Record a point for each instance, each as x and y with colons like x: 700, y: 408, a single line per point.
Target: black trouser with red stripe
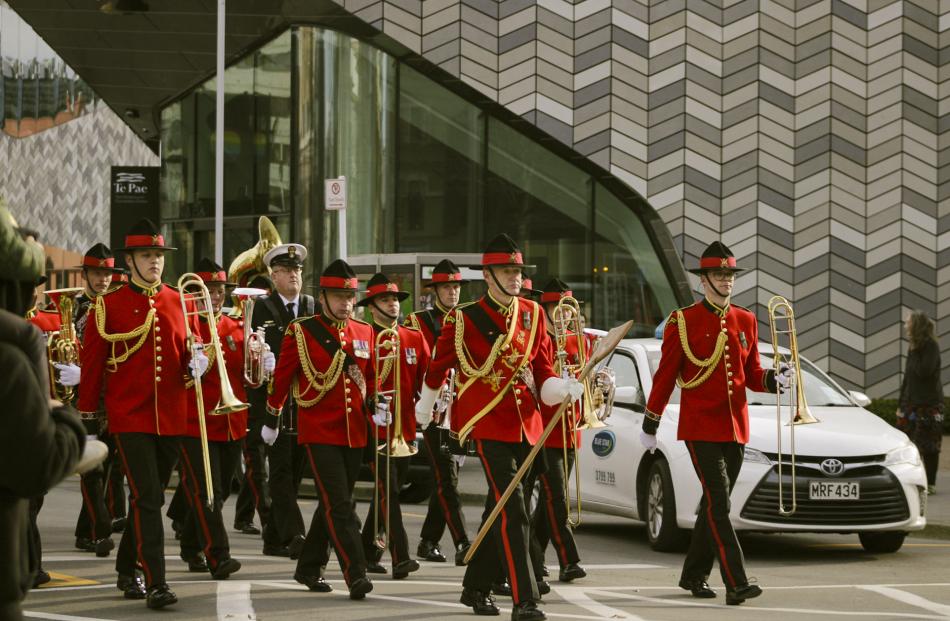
x: 94, y: 521
x: 397, y: 538
x: 254, y: 494
x: 507, y: 544
x: 334, y: 470
x: 204, y: 526
x: 286, y: 460
x: 550, y: 518
x: 445, y: 505
x: 717, y: 465
x: 148, y: 460
x: 114, y: 481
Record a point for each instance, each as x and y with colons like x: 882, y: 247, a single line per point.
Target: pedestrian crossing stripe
x: 63, y: 580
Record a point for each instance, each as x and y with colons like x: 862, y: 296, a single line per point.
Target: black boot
x: 360, y: 587
x: 197, y: 563
x: 543, y: 587
x: 460, y: 551
x: 742, y: 593
x: 104, y: 546
x: 404, y: 568
x: 246, y: 528
x: 295, y: 547
x: 480, y: 601
x: 429, y: 551
x: 501, y: 588
x: 698, y: 587
x: 160, y: 596
x: 85, y: 544
x: 315, y: 583
x: 225, y: 568
x: 527, y: 611
x: 571, y: 571
x: 132, y: 587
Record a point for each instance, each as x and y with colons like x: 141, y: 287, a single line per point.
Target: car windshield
x: 820, y: 390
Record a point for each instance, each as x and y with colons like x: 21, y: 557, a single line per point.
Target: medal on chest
x: 411, y: 355
x: 360, y: 348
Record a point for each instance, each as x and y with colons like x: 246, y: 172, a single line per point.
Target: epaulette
x: 298, y: 320
x: 413, y: 328
x: 112, y: 290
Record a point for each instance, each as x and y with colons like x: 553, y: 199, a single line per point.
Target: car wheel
x: 662, y: 532
x: 882, y: 542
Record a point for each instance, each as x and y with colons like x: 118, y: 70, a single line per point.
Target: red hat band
x: 555, y: 296
x: 502, y: 258
x: 337, y: 282
x: 389, y: 287
x: 712, y: 263
x: 144, y: 241
x: 213, y: 276
x: 94, y: 262
x: 440, y: 277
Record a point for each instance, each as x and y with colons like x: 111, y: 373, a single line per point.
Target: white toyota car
x: 854, y: 472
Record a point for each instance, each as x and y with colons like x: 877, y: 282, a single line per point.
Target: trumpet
x: 780, y: 310
x: 62, y: 347
x: 254, y: 344
x: 196, y: 302
x: 388, y: 353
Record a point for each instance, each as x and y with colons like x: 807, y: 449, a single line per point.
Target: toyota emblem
x: 832, y: 467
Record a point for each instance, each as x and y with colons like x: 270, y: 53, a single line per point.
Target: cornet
x: 62, y: 347
x: 254, y: 344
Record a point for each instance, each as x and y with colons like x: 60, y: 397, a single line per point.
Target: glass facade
x: 428, y: 171
x: 37, y: 89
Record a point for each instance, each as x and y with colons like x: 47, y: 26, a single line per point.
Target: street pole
x: 219, y: 143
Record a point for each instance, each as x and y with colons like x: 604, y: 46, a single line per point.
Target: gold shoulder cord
x: 314, y: 377
x: 706, y: 366
x: 460, y: 350
x: 141, y: 333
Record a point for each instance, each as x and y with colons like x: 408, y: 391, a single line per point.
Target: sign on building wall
x: 134, y: 191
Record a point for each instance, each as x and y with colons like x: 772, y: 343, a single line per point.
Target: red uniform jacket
x: 413, y: 362
x: 341, y: 414
x: 504, y: 402
x: 143, y: 375
x: 715, y: 410
x: 556, y: 439
x: 233, y: 426
x: 429, y: 322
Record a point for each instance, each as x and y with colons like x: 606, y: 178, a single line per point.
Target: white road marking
x: 909, y: 598
x: 55, y: 617
x: 579, y: 597
x: 234, y: 601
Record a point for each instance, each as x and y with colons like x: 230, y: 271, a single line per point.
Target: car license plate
x: 834, y: 490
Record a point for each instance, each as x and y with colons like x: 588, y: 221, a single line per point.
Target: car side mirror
x: 859, y: 398
x: 630, y: 396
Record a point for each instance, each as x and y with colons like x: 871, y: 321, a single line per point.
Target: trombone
x: 782, y: 322
x: 196, y: 302
x: 254, y: 344
x: 566, y: 320
x: 62, y: 347
x: 387, y: 363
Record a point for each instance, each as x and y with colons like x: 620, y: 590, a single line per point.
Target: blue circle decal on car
x: 603, y: 443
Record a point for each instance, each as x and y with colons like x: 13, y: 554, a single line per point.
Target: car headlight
x: 756, y: 457
x: 907, y: 454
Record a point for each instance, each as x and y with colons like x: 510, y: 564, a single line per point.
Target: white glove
x: 555, y: 390
x: 382, y: 418
x: 425, y: 404
x: 459, y: 459
x: 199, y: 362
x: 268, y: 435
x: 68, y: 374
x: 648, y: 441
x: 269, y: 361
x: 91, y: 438
x: 783, y: 377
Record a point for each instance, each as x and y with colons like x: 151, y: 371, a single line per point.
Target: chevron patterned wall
x: 810, y: 136
x: 57, y: 181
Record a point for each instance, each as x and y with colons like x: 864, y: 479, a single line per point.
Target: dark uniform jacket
x: 271, y: 313
x: 715, y: 409
x: 221, y: 428
x: 140, y: 358
x: 501, y: 404
x: 332, y: 409
x: 413, y: 362
x: 42, y: 446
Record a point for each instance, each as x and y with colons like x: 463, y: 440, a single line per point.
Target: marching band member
x: 498, y: 345
x: 710, y: 350
x: 445, y: 505
x: 326, y: 364
x: 382, y: 298
x: 551, y: 518
x: 94, y: 524
x: 225, y: 433
x: 137, y: 352
x: 284, y: 531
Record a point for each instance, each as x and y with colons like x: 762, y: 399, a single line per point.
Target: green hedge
x: 885, y: 408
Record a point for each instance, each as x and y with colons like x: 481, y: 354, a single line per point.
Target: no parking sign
x: 335, y: 194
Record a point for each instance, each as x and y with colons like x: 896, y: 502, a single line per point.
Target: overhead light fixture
x: 121, y: 7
